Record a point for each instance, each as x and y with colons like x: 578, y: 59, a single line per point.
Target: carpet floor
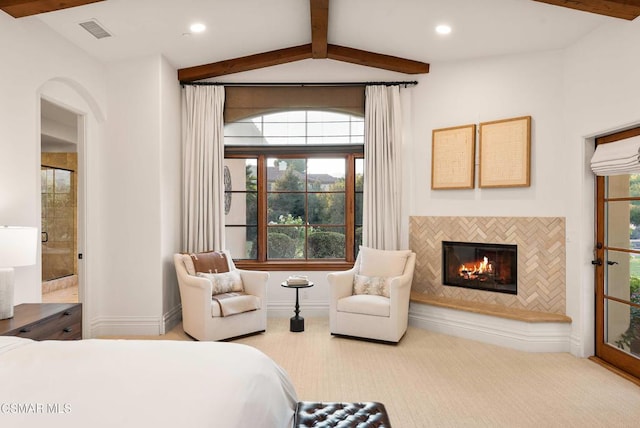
x: 434, y: 380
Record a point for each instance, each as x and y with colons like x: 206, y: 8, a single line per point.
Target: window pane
x: 286, y: 116
x: 326, y: 174
x: 328, y: 129
x: 285, y: 242
x: 622, y: 224
x: 285, y: 208
x: 286, y: 174
x: 323, y: 116
x: 623, y: 274
x: 359, y: 174
x: 357, y: 128
x: 242, y: 242
x: 623, y: 186
x: 326, y: 208
x: 243, y: 209
x: 243, y: 174
x: 622, y: 328
x: 359, y: 208
x: 247, y: 141
x: 326, y: 243
x: 284, y: 129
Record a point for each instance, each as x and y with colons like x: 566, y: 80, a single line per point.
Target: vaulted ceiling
x: 396, y: 35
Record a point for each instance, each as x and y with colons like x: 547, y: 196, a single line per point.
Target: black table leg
x: 296, y: 324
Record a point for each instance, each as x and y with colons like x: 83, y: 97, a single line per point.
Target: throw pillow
x: 376, y: 285
x: 226, y: 282
x: 382, y: 262
x: 210, y: 262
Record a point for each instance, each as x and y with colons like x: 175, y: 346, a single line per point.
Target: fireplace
x: 491, y: 267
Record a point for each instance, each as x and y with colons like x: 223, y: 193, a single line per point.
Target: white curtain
x: 382, y: 175
x: 203, y: 163
x: 617, y: 158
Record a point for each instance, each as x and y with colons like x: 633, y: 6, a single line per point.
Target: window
x: 293, y: 189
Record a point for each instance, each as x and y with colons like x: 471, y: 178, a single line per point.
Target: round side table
x: 296, y: 324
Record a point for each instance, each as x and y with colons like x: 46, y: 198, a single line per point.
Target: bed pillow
x: 375, y: 285
x: 226, y: 282
x: 382, y: 262
x: 210, y: 262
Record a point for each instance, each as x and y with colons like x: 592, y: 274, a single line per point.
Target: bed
x: 136, y: 383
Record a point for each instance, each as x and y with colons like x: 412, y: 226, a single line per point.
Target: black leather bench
x: 341, y: 415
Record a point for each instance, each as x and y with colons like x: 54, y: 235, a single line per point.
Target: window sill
x: 289, y: 265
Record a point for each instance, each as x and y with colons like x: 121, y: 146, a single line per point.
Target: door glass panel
x: 58, y: 223
x: 623, y: 186
x: 622, y: 327
x: 623, y: 224
x: 622, y: 272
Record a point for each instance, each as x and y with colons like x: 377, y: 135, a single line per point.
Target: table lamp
x: 17, y: 248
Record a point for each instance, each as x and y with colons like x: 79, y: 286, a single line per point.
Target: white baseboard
x: 520, y: 335
x: 308, y: 309
x: 171, y: 318
x: 126, y: 326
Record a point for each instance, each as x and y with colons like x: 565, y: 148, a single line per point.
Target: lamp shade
x: 18, y: 246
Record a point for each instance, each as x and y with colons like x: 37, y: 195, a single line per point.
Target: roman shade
x: 617, y: 158
x: 248, y: 101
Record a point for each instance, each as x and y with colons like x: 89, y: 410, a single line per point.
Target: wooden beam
x: 319, y: 27
x: 245, y: 63
x: 21, y: 8
x: 372, y: 59
x: 623, y: 9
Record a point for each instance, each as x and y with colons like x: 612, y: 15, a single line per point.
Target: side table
x: 296, y: 324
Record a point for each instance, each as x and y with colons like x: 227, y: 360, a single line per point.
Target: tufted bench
x: 341, y: 415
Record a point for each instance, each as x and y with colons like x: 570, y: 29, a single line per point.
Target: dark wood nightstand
x: 45, y: 321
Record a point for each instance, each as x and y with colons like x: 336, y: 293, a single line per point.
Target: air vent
x: 95, y: 28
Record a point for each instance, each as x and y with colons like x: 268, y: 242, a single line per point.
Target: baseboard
x: 126, y: 326
x: 308, y: 309
x: 523, y: 336
x: 171, y: 318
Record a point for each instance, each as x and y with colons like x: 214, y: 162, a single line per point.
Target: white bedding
x: 131, y: 383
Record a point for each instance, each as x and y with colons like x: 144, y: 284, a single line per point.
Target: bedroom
x: 584, y: 88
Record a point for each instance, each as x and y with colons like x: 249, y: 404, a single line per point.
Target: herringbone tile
x: 541, y: 257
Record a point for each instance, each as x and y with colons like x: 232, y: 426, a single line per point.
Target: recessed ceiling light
x: 197, y: 28
x: 443, y: 29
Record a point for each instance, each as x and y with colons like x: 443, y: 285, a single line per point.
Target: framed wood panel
x: 505, y: 153
x: 452, y: 157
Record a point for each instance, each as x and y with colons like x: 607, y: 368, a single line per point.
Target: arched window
x: 293, y: 195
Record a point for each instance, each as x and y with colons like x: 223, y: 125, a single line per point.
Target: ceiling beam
x: 624, y: 9
x: 245, y: 63
x: 319, y: 27
x: 371, y: 59
x: 22, y: 8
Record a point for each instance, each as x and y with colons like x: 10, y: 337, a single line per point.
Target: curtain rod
x: 302, y: 84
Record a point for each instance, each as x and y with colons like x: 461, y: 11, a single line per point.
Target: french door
x: 617, y: 265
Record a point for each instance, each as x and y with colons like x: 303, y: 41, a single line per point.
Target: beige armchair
x: 371, y: 300
x: 208, y: 315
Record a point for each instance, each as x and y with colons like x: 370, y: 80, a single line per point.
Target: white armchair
x: 203, y: 317
x: 371, y: 300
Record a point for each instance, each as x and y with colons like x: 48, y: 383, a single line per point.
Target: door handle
x: 610, y: 263
x: 44, y: 237
x: 597, y: 262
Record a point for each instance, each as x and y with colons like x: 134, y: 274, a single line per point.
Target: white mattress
x: 130, y: 383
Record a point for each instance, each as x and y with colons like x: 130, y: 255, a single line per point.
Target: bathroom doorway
x: 59, y: 203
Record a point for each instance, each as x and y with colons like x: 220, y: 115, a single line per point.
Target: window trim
x: 259, y: 153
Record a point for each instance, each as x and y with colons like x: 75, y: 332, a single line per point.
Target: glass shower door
x: 58, y: 223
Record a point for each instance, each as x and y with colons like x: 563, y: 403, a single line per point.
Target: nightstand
x: 45, y: 321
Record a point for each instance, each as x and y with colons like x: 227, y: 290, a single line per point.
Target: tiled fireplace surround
x: 541, y: 281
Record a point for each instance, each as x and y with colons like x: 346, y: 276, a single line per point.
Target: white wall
x: 141, y: 199
x: 170, y: 182
x: 36, y: 61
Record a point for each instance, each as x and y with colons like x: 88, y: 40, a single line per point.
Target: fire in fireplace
x: 492, y: 267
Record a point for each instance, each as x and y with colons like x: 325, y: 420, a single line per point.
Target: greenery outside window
x: 294, y: 190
